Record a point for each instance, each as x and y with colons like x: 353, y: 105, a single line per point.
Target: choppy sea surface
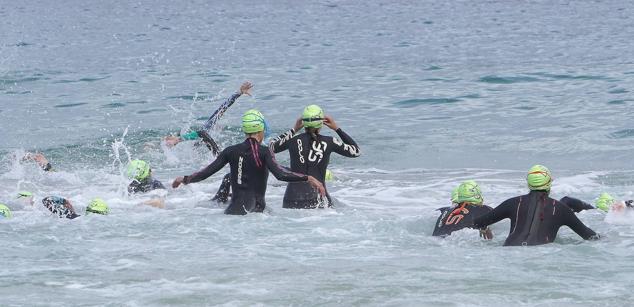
x: 434, y: 92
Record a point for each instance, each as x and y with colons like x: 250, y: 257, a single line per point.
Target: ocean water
x: 434, y: 92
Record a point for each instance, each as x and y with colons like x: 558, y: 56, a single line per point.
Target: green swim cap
x: 454, y: 195
x: 191, y: 135
x: 138, y: 169
x: 98, y: 206
x: 5, y: 211
x: 329, y: 175
x: 539, y: 178
x: 253, y: 121
x: 604, y: 202
x: 469, y: 192
x: 313, y: 116
x: 24, y: 194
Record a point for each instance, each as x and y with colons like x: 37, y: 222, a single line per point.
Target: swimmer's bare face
x: 171, y: 141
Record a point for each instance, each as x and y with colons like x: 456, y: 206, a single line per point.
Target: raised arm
x: 280, y: 143
x: 345, y: 146
x: 245, y: 88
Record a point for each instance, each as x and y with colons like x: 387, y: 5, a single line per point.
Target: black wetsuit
x: 250, y: 163
x: 60, y: 207
x: 143, y: 186
x: 458, y: 217
x: 535, y: 219
x: 575, y: 204
x: 311, y: 157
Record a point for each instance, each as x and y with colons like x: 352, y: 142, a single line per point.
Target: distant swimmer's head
x: 604, y: 202
x: 329, y: 175
x: 468, y: 192
x: 139, y: 170
x: 98, y: 206
x: 539, y: 178
x: 59, y: 206
x: 26, y: 198
x: 253, y: 122
x: 454, y: 195
x: 5, y: 212
x: 313, y: 116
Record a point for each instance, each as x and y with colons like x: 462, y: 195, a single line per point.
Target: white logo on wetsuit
x: 240, y: 170
x: 317, y: 152
x: 299, y: 150
x: 353, y: 150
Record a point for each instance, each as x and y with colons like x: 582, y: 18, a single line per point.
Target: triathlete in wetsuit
x: 535, y: 217
x: 310, y: 154
x: 60, y: 206
x: 142, y: 182
x: 250, y: 163
x: 467, y: 199
x: 606, y: 203
x: 203, y: 133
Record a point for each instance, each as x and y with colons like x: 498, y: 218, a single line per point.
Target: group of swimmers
x: 535, y: 217
x: 250, y: 163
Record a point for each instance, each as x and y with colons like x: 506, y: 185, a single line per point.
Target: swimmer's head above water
x: 5, y: 212
x: 468, y: 192
x: 98, y: 206
x: 539, y: 178
x: 139, y: 170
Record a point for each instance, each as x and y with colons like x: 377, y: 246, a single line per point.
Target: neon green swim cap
x: 253, y: 121
x: 539, y: 178
x: 604, y: 202
x: 329, y: 175
x: 138, y: 169
x: 24, y: 194
x: 313, y: 116
x: 5, y: 211
x: 469, y: 192
x: 98, y: 206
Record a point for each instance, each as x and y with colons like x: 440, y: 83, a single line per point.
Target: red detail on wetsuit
x: 255, y: 152
x: 457, y: 215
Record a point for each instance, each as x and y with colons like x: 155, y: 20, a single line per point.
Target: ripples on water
x: 435, y: 93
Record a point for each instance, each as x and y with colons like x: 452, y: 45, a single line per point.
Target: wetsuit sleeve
x: 499, y: 213
x: 280, y: 143
x: 211, y: 122
x: 346, y: 146
x: 157, y: 184
x: 576, y: 205
x: 209, y: 141
x: 572, y: 221
x: 211, y: 169
x: 279, y: 172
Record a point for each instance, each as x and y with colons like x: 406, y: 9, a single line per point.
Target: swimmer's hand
x: 245, y: 88
x: 177, y: 182
x: 330, y: 122
x: 299, y: 124
x: 317, y: 185
x: 486, y: 233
